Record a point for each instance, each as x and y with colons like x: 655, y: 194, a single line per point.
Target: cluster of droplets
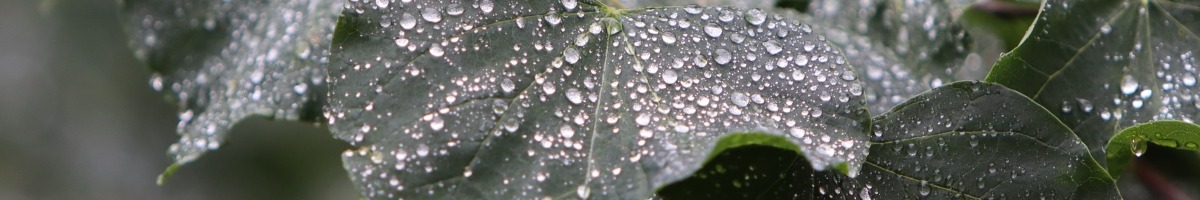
x: 259, y: 58
x: 948, y: 144
x: 902, y: 48
x: 575, y: 100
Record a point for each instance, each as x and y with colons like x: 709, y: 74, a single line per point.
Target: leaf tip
x: 162, y: 178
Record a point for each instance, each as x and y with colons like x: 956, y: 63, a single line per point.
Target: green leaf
x: 979, y: 140
x: 965, y: 140
x: 901, y: 48
x: 524, y: 99
x: 1105, y: 65
x: 222, y: 61
x: 1133, y: 141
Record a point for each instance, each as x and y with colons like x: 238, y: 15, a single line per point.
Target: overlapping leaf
x: 1102, y: 65
x: 524, y: 99
x: 965, y: 140
x: 221, y: 61
x: 1132, y: 141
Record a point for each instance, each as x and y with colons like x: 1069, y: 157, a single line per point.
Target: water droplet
x: 1128, y: 85
x: 431, y: 15
x: 548, y: 87
x: 401, y: 42
x: 668, y: 37
x: 583, y: 191
x: 740, y: 99
x: 566, y: 131
x: 1085, y: 105
x: 643, y: 119
x: 1106, y: 28
x: 756, y: 16
x: 1189, y: 79
x: 798, y: 75
x: 924, y: 188
x: 156, y: 82
x: 382, y: 3
x: 507, y: 85
x: 798, y: 133
x: 772, y: 47
x: 723, y: 56
x: 693, y: 9
x: 571, y: 55
x: 486, y: 6
x: 408, y: 21
x: 422, y: 150
x: 1138, y: 146
x: 436, y: 123
x: 669, y: 76
x: 454, y: 9
x: 569, y: 4
x: 574, y: 96
x: 553, y: 18
x: 712, y: 30
x: 436, y: 50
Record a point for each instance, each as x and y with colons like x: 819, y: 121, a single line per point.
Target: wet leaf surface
x: 1105, y: 65
x: 222, y: 61
x: 521, y: 99
x: 965, y: 140
x: 900, y: 48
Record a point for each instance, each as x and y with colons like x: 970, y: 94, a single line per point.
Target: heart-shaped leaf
x: 528, y: 99
x: 965, y: 140
x: 1102, y: 65
x: 222, y: 61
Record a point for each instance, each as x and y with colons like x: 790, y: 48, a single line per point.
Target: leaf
x: 1105, y: 65
x: 1132, y: 141
x: 222, y: 61
x: 901, y: 48
x: 965, y: 140
x: 979, y: 140
x: 523, y: 99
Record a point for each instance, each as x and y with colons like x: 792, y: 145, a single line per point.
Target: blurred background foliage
x: 78, y: 120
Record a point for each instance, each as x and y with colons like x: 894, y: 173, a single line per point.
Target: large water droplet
x: 756, y: 16
x: 507, y: 85
x: 570, y: 4
x: 408, y: 21
x: 566, y: 131
x: 772, y: 47
x: 571, y: 55
x: 669, y: 76
x: 668, y: 37
x: 723, y: 56
x: 486, y: 6
x: 574, y: 96
x: 431, y: 15
x: 740, y: 99
x: 1138, y: 146
x: 924, y: 188
x: 436, y: 123
x: 382, y: 3
x: 1128, y: 85
x: 454, y: 9
x: 712, y: 30
x: 643, y: 119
